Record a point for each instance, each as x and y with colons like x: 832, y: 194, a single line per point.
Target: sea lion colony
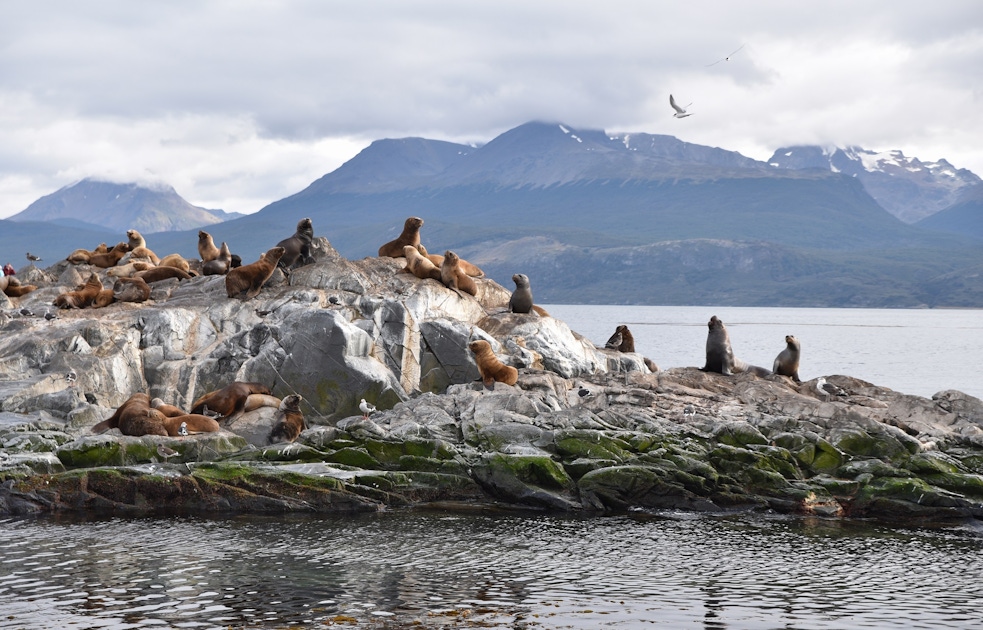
x: 134, y: 267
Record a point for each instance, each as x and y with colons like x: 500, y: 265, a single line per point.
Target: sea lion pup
x: 297, y: 248
x: 409, y: 236
x: 130, y: 268
x: 452, y: 276
x: 218, y: 266
x: 289, y: 420
x: 175, y: 260
x: 206, y: 247
x: 521, y: 300
x: 110, y: 258
x: 193, y: 423
x: 622, y: 340
x: 249, y: 279
x: 82, y: 296
x: 419, y: 265
x: 468, y: 268
x: 787, y: 361
x: 131, y: 290
x: 156, y: 274
x: 490, y: 367
x: 720, y: 355
x: 168, y: 410
x: 229, y: 399
x: 136, y: 239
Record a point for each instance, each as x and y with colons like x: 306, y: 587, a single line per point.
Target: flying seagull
x: 727, y: 58
x: 31, y: 257
x: 366, y: 408
x: 680, y: 112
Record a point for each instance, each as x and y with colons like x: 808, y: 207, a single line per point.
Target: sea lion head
x: 521, y: 280
x: 274, y: 254
x: 450, y: 257
x: 203, y: 236
x: 413, y: 223
x: 715, y: 323
x: 792, y: 341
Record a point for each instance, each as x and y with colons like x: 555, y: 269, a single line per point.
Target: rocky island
x: 584, y: 429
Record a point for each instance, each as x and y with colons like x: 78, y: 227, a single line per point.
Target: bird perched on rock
x: 31, y: 257
x: 26, y: 312
x: 622, y: 340
x: 828, y: 389
x: 366, y: 408
x: 584, y: 393
x: 48, y: 315
x: 334, y: 300
x: 71, y: 377
x: 165, y: 452
x: 183, y: 429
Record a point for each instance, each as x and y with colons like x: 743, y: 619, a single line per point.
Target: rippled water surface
x: 447, y: 569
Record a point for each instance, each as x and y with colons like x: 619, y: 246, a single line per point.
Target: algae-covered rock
x: 535, y: 481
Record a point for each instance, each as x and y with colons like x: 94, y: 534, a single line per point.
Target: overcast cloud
x: 239, y: 103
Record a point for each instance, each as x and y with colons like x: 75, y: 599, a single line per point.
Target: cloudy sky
x: 238, y: 103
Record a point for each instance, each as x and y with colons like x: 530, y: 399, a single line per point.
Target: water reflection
x: 473, y: 570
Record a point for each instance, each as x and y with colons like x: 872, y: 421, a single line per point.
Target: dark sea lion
x: 489, y: 365
x: 229, y: 399
x: 419, y: 265
x: 218, y: 266
x: 156, y: 274
x: 409, y: 236
x: 622, y: 340
x: 720, y: 355
x: 249, y: 279
x: 206, y: 247
x: 521, y: 300
x: 289, y: 421
x: 455, y: 279
x: 297, y: 248
x: 787, y: 361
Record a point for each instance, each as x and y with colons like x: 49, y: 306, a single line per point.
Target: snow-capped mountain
x: 907, y: 187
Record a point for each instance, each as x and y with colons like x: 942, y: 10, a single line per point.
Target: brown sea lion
x: 134, y: 417
x: 419, y: 265
x: 156, y: 274
x: 455, y: 279
x: 206, y: 247
x: 787, y: 361
x: 175, y: 260
x: 622, y: 340
x: 490, y: 367
x: 130, y: 268
x: 80, y: 256
x: 468, y: 268
x: 135, y: 239
x: 289, y: 420
x: 409, y: 236
x: 249, y: 279
x: 720, y: 354
x: 297, y: 248
x: 82, y: 296
x: 12, y: 287
x: 110, y: 258
x: 144, y: 253
x: 521, y: 300
x: 131, y: 290
x: 218, y: 266
x: 168, y: 410
x: 193, y: 423
x: 229, y: 399
x: 103, y: 299
x: 255, y: 401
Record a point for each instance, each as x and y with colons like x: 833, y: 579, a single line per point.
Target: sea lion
x: 490, y: 367
x: 409, y: 236
x: 82, y: 296
x: 110, y: 258
x: 218, y: 266
x: 622, y: 340
x: 168, y: 410
x: 720, y: 354
x: 12, y: 287
x: 134, y: 417
x: 131, y: 290
x: 297, y: 248
x: 289, y: 420
x: 194, y: 423
x: 81, y: 256
x: 255, y: 401
x: 156, y: 274
x: 468, y: 268
x: 521, y: 300
x: 175, y: 260
x: 206, y: 247
x: 130, y: 268
x: 144, y: 253
x: 249, y: 279
x: 452, y: 276
x: 229, y: 399
x: 135, y: 239
x: 419, y: 265
x: 104, y: 298
x: 787, y: 361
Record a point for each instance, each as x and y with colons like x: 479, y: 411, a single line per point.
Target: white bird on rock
x: 183, y: 429
x: 680, y: 111
x: 366, y: 408
x: 828, y: 389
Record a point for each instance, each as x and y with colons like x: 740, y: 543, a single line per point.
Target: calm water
x: 398, y: 569
x: 911, y: 351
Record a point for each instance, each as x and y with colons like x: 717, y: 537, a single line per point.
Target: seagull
x: 727, y: 58
x: 31, y: 257
x: 366, y: 408
x: 183, y: 430
x: 828, y: 389
x: 165, y: 452
x: 614, y: 342
x: 584, y: 393
x: 680, y: 112
x: 48, y: 315
x: 689, y: 410
x: 71, y: 377
x: 334, y: 300
x: 26, y: 312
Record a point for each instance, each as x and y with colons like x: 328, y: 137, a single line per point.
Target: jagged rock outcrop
x: 584, y: 429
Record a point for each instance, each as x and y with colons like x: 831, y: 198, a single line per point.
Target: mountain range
x: 592, y: 217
